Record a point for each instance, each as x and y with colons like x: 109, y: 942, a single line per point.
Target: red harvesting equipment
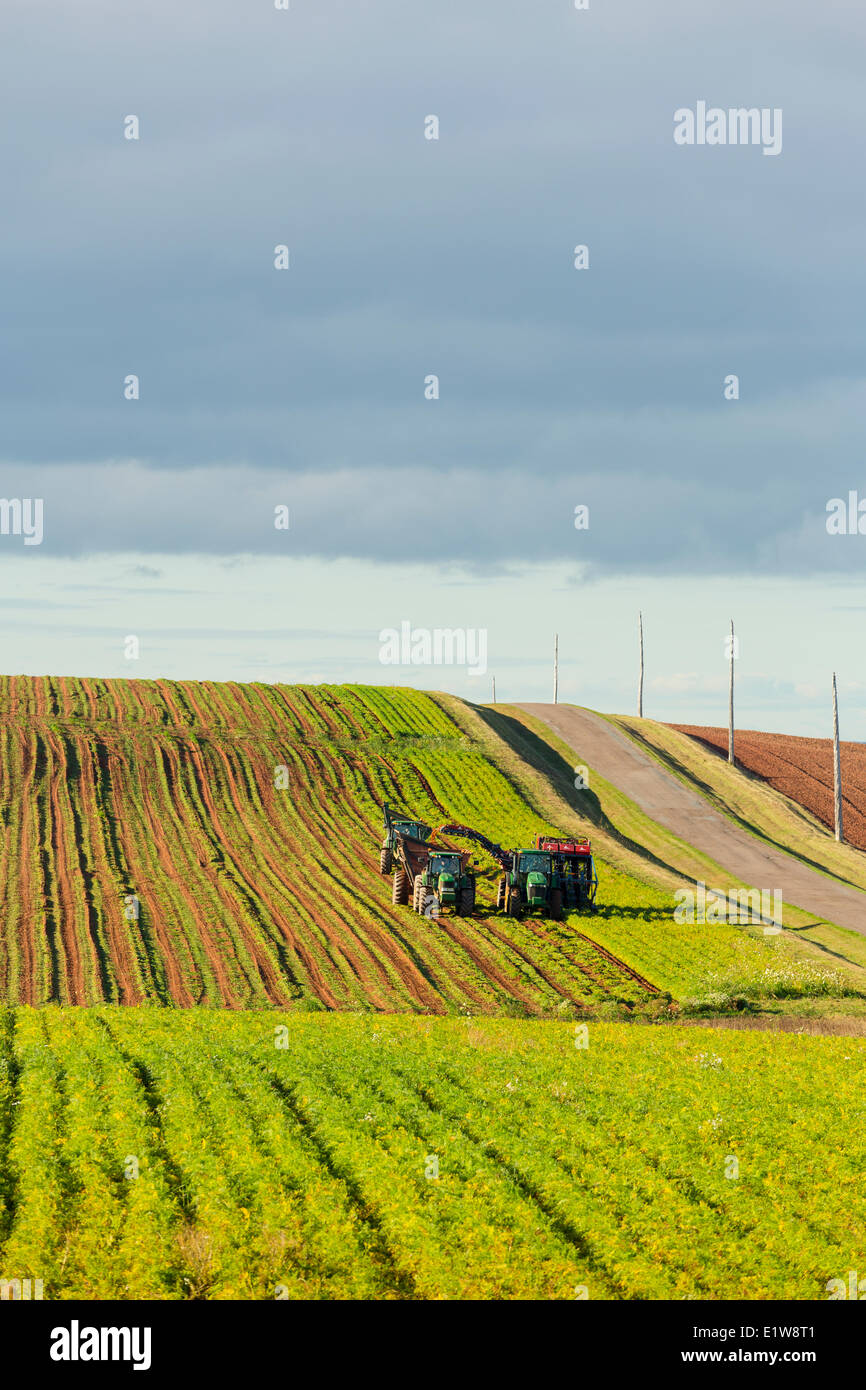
x: 574, y: 863
x: 554, y: 846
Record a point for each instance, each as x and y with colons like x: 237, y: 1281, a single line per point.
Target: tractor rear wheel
x: 400, y: 888
x: 386, y: 860
x: 556, y: 905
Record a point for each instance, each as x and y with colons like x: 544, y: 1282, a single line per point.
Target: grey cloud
x: 412, y: 257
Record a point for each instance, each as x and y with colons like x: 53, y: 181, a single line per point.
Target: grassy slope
x: 410, y: 1158
x: 760, y: 810
x: 630, y: 838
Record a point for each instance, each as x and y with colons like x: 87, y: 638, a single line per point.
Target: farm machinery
x: 554, y: 875
x: 446, y: 879
x: 574, y: 868
x: 397, y: 824
x: 423, y: 872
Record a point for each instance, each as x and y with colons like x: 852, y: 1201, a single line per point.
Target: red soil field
x: 801, y: 768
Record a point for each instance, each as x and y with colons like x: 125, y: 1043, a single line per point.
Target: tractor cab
x: 413, y: 829
x: 398, y: 825
x: 530, y: 885
x: 535, y: 870
x: 444, y: 873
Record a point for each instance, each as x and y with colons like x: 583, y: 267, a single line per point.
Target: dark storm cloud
x: 452, y: 257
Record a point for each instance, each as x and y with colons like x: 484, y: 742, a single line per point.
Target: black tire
x: 556, y: 905
x: 400, y: 888
x: 501, y: 888
x: 386, y: 860
x: 513, y: 902
x: 466, y: 902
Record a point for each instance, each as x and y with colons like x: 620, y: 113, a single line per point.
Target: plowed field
x: 186, y: 843
x: 801, y: 768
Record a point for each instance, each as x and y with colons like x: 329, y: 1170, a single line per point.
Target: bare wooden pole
x: 731, y: 701
x: 837, y: 766
x: 640, y: 676
x: 556, y: 669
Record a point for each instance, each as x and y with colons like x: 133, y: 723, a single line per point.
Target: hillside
x: 191, y: 843
x: 801, y: 769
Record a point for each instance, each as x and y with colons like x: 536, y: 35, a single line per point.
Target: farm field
x: 149, y: 1153
x: 800, y: 768
x: 187, y: 843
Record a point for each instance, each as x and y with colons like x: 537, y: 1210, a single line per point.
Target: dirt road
x: 614, y: 757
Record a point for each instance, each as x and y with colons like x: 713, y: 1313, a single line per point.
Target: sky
x: 304, y: 393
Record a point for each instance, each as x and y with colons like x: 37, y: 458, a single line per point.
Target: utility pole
x: 640, y: 677
x: 494, y: 690
x: 556, y: 669
x: 837, y: 769
x: 731, y: 701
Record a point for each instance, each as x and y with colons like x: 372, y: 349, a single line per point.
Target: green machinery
x: 446, y: 880
x: 396, y: 824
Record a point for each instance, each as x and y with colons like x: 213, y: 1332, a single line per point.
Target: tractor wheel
x: 419, y: 896
x: 556, y: 905
x: 466, y: 902
x: 513, y: 902
x: 400, y: 888
x: 386, y: 861
x: 500, y: 894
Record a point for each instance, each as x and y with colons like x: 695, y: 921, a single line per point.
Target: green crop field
x: 191, y: 843
x: 255, y: 1099
x: 148, y: 1153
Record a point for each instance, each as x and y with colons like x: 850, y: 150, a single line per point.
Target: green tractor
x: 397, y: 824
x: 532, y: 884
x: 445, y: 881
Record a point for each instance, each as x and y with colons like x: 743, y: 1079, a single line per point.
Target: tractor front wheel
x: 386, y: 861
x: 513, y: 902
x: 501, y: 889
x: 556, y: 905
x: 466, y: 902
x: 400, y: 888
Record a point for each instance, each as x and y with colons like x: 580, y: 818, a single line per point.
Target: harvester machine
x: 531, y: 885
x: 397, y: 823
x: 424, y: 874
x: 574, y: 869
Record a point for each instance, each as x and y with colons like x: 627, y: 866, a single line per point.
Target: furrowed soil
x: 192, y: 843
x: 186, y: 843
x: 800, y: 768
